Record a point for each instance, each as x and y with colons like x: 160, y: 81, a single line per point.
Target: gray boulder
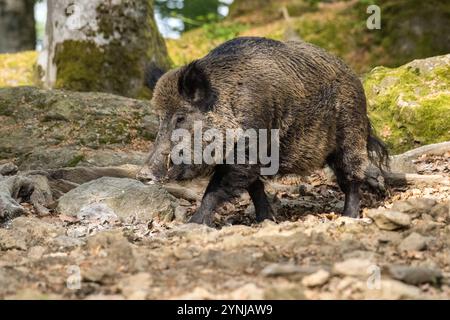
x: 128, y: 199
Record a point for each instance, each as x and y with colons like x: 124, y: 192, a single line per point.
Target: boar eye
x: 179, y: 119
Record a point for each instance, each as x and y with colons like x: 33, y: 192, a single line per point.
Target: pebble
x: 388, y: 219
x: 413, y: 242
x: 181, y: 214
x: 414, y: 207
x: 415, y: 275
x: 316, y: 279
x: 353, y: 267
x: 277, y: 269
x: 394, y: 290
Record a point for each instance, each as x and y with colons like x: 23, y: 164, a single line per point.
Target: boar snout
x: 146, y: 175
x: 155, y: 169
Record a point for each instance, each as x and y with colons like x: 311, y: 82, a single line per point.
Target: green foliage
x: 222, y: 31
x: 193, y: 13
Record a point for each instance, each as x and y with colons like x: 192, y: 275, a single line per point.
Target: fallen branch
x: 402, y: 179
x: 404, y: 162
x: 182, y: 192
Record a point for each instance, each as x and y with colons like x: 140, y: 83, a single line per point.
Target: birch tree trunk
x: 98, y: 45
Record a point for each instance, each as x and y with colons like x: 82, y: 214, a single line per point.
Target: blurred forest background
x: 88, y: 45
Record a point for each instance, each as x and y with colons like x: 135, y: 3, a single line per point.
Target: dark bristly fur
x: 312, y: 97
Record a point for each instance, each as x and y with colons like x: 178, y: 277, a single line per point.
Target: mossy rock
x: 60, y: 127
x: 410, y: 105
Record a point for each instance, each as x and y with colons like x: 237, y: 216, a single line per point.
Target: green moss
x: 410, y: 105
x: 75, y: 161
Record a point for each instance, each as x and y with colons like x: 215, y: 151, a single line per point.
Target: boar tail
x: 377, y: 150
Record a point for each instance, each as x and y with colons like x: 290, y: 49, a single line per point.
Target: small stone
x: 181, y: 214
x: 316, y: 279
x: 390, y: 237
x: 394, y: 290
x: 414, y: 207
x: 441, y: 210
x: 67, y: 242
x: 36, y: 252
x: 413, y: 242
x: 136, y: 287
x: 8, y: 169
x: 415, y: 275
x: 276, y: 269
x: 388, y: 219
x: 10, y: 241
x: 353, y: 267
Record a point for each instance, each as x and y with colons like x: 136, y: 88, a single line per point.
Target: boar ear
x: 152, y: 75
x: 195, y: 87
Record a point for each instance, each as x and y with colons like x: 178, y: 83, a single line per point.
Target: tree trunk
x: 97, y: 45
x: 17, y: 26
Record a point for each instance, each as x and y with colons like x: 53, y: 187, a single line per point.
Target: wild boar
x: 314, y: 101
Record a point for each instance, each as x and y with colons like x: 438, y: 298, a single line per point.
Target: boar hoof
x: 351, y: 214
x: 262, y: 218
x: 200, y: 218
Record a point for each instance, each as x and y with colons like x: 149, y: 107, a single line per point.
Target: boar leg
x: 226, y: 183
x: 262, y: 206
x: 214, y: 196
x: 349, y: 184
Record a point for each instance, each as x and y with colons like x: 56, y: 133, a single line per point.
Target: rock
x: 249, y: 291
x: 32, y: 294
x: 277, y: 269
x: 353, y: 267
x: 64, y: 242
x: 8, y: 169
x: 316, y: 279
x: 9, y: 241
x: 413, y: 242
x: 415, y: 275
x: 114, y: 253
x: 127, y: 198
x: 9, y: 207
x: 390, y: 237
x: 9, y: 280
x: 394, y: 290
x: 54, y: 129
x: 411, y: 103
x: 388, y: 219
x: 441, y: 210
x: 26, y: 232
x: 414, y: 207
x: 181, y: 214
x: 70, y: 156
x: 36, y: 252
x: 105, y: 297
x: 136, y: 287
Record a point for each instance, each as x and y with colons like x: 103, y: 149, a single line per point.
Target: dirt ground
x: 310, y: 253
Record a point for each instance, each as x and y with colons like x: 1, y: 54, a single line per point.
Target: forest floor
x: 310, y: 253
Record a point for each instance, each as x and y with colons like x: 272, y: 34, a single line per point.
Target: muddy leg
x: 349, y: 184
x: 213, y: 197
x: 262, y: 206
x: 226, y: 183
